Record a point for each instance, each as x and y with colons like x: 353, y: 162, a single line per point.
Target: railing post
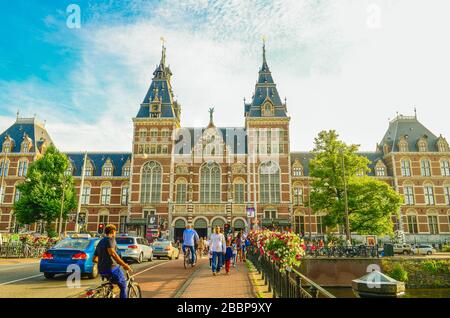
x: 298, y: 286
x: 287, y: 286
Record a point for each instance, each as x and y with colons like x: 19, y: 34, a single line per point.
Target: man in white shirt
x: 218, y: 248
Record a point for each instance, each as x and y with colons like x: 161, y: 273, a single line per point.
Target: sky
x: 348, y: 65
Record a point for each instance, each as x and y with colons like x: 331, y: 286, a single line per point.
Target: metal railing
x: 292, y: 284
x: 21, y: 250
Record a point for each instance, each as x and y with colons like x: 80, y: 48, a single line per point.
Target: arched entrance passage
x: 201, y: 226
x: 218, y: 222
x: 239, y: 225
x: 180, y: 226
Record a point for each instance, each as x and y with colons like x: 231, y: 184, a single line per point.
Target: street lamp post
x: 347, y: 222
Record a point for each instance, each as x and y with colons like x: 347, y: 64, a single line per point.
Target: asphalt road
x: 25, y: 281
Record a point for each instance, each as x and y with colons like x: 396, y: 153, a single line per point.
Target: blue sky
x: 347, y: 65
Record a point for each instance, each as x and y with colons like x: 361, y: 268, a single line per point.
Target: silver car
x: 134, y: 248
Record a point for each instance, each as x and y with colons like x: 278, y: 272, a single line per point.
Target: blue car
x: 77, y: 251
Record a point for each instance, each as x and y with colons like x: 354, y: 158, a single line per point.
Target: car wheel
x: 429, y: 252
x: 157, y: 257
x: 151, y: 257
x: 94, y: 273
x: 141, y: 257
x: 405, y: 252
x: 49, y: 275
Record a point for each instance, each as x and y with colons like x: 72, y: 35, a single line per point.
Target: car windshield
x: 79, y: 244
x: 124, y: 240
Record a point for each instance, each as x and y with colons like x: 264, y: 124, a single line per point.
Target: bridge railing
x: 290, y: 284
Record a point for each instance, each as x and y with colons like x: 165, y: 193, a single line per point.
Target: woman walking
x: 201, y: 247
x: 239, y: 246
x: 218, y: 249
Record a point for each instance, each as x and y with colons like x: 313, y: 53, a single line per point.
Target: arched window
x: 210, y: 183
x: 408, y: 192
x: 105, y: 193
x: 425, y: 167
x: 269, y: 175
x: 151, y: 182
x: 412, y: 222
x: 126, y: 169
x: 181, y: 191
x: 447, y: 193
x: 23, y: 168
x: 297, y: 194
x: 86, y: 193
x: 2, y: 192
x: 89, y: 171
x: 428, y: 192
x: 445, y: 168
x: 142, y: 135
x: 405, y: 167
x: 239, y: 190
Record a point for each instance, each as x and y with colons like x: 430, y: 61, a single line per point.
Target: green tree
x: 370, y: 202
x: 41, y: 193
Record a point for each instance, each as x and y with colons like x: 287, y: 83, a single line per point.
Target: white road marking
x: 147, y: 269
x: 19, y: 280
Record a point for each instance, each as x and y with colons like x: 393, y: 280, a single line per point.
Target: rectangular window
x: 425, y: 168
x: 433, y: 224
x: 406, y: 169
x: 2, y: 193
x: 126, y: 171
x: 412, y: 224
x: 106, y: 195
x: 124, y: 196
x: 107, y: 171
x: 4, y: 167
x: 270, y: 214
x: 300, y: 224
x: 429, y: 195
x: 181, y: 193
x: 447, y: 195
x: 409, y: 195
x: 445, y: 168
x: 23, y: 167
x: 103, y: 219
x: 320, y: 226
x: 17, y: 195
x: 381, y: 171
x: 85, y: 197
x: 122, y: 223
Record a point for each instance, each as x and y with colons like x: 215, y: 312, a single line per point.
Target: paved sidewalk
x: 17, y: 261
x: 202, y: 284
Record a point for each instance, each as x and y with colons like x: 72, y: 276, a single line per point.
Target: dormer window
x: 107, y: 169
x: 89, y: 170
x: 360, y: 173
x: 69, y: 170
x: 7, y: 145
x: 126, y: 169
x: 403, y: 144
x: 380, y: 169
x: 442, y: 144
x: 422, y: 144
x: 25, y: 146
x: 297, y: 169
x: 267, y: 109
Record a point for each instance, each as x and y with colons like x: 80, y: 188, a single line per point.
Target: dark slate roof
x: 98, y: 160
x: 265, y: 90
x: 228, y: 134
x: 374, y: 157
x: 305, y: 157
x: 162, y: 88
x: 408, y: 126
x: 35, y: 131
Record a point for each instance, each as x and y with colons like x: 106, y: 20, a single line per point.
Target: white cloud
x: 335, y: 71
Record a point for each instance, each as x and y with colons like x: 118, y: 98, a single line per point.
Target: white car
x: 135, y: 248
x: 423, y: 249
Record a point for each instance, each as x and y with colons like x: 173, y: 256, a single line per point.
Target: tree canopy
x: 371, y: 202
x: 41, y: 192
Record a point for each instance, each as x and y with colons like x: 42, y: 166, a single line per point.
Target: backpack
x: 247, y: 243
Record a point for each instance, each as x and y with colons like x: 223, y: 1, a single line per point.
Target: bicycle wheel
x: 186, y: 259
x: 134, y: 291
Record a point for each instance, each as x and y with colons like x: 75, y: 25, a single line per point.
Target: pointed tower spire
x: 265, y: 67
x: 163, y: 53
x: 211, y: 121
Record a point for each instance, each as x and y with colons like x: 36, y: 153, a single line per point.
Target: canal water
x: 346, y: 292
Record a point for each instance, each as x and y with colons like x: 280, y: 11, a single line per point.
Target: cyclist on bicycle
x: 190, y: 237
x: 107, y: 259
